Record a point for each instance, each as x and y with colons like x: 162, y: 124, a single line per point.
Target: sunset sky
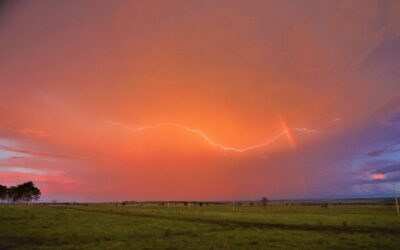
x: 200, y: 100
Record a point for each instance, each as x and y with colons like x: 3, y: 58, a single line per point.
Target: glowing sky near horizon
x: 200, y: 100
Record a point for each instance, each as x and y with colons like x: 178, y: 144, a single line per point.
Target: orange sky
x: 197, y: 100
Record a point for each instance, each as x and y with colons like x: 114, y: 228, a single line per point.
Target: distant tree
x: 324, y: 205
x: 3, y: 193
x: 26, y: 192
x: 36, y: 193
x: 264, y: 201
x: 12, y: 195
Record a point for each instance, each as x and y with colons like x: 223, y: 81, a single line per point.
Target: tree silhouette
x: 12, y: 194
x: 264, y: 201
x: 3, y: 193
x: 26, y: 192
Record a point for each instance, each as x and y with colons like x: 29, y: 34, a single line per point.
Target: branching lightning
x: 306, y: 130
x: 286, y: 132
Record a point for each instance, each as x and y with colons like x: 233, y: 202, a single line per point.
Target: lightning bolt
x: 210, y: 141
x: 306, y: 130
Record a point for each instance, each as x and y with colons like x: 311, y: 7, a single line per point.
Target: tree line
x: 23, y: 193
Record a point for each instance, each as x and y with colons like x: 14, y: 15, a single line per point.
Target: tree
x: 36, y: 193
x: 25, y: 192
x: 3, y: 193
x: 30, y: 192
x: 12, y: 194
x: 264, y: 201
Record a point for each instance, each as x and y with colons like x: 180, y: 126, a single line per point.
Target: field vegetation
x: 205, y: 226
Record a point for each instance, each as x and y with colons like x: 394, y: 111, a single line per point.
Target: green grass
x: 207, y: 227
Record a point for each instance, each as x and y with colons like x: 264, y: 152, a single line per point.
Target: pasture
x: 153, y: 226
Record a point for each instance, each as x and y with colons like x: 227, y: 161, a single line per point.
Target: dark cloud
x: 386, y: 57
x: 378, y: 181
x: 387, y: 109
x: 6, y: 5
x: 376, y: 152
x: 387, y: 114
x: 393, y: 121
x: 388, y: 169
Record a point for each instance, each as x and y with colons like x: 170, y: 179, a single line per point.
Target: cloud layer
x: 238, y: 71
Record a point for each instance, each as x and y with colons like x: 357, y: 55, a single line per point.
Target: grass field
x: 206, y: 227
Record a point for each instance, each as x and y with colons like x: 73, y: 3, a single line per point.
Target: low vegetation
x: 206, y: 226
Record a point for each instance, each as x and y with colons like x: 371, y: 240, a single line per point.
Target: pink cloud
x: 378, y: 176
